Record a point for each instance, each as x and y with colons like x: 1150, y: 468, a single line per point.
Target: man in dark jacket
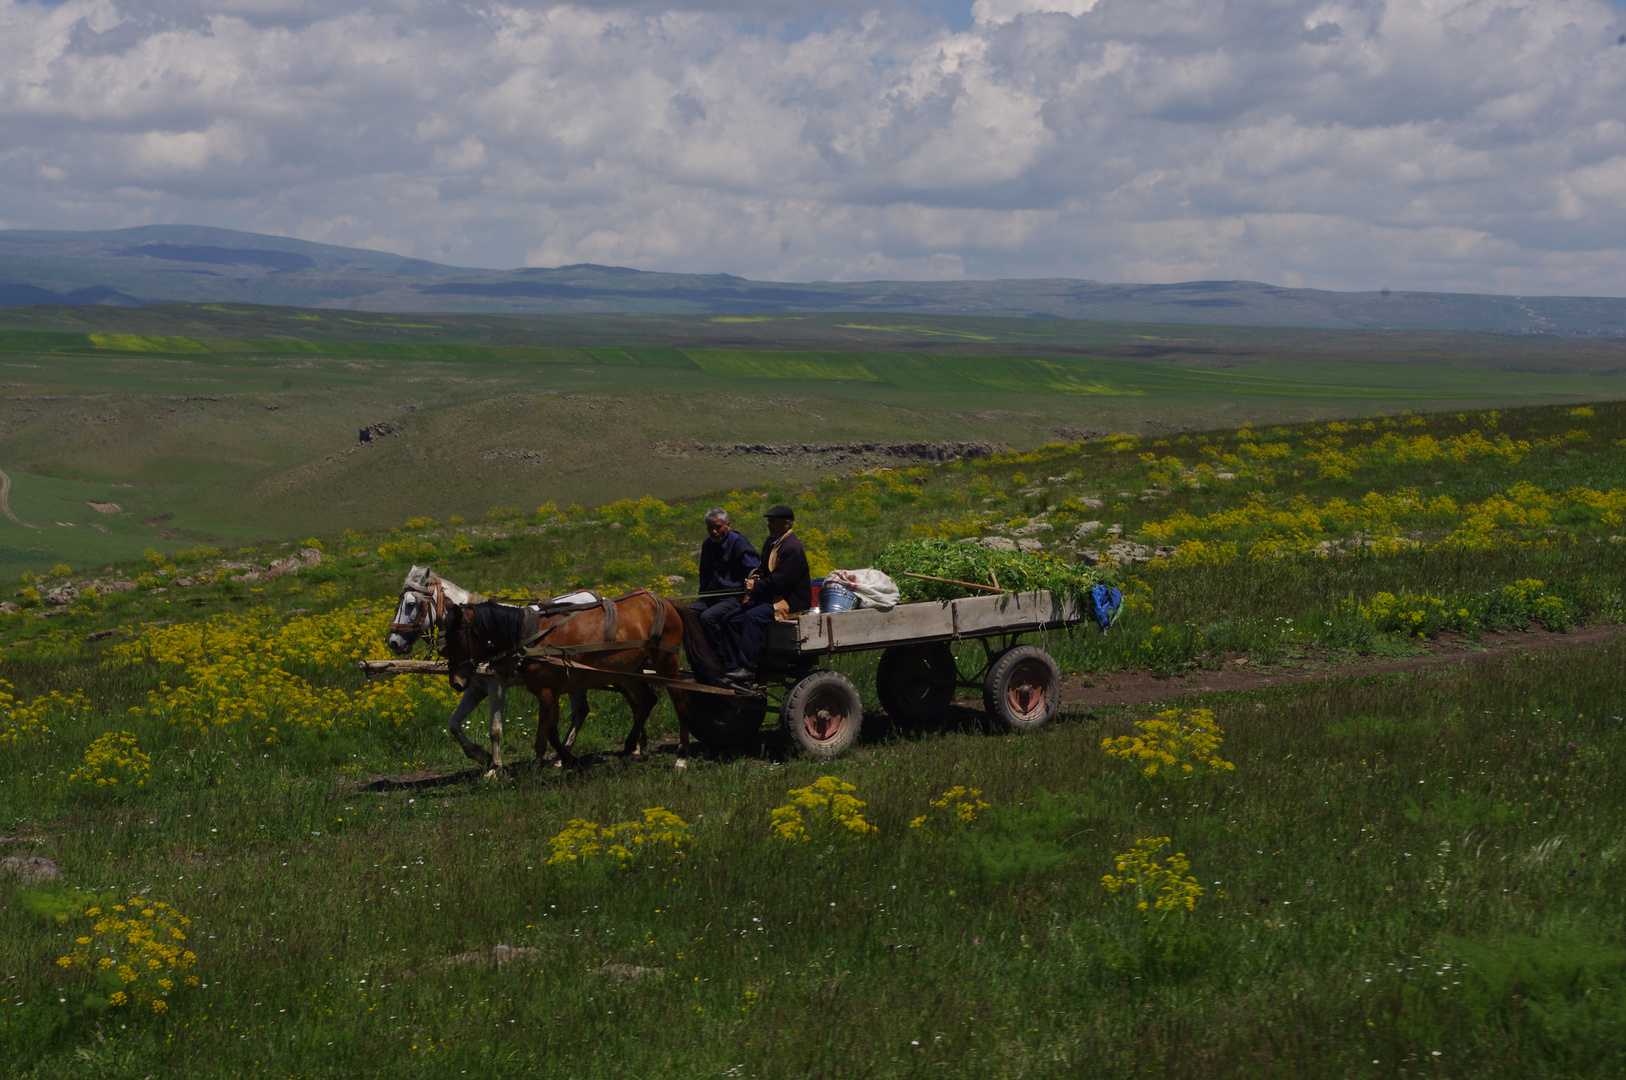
x: 726, y: 560
x: 782, y: 588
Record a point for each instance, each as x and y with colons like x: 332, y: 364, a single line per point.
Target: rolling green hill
x: 225, y: 424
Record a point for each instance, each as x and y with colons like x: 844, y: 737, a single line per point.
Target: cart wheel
x: 1023, y: 689
x: 822, y: 714
x: 916, y: 682
x: 721, y: 723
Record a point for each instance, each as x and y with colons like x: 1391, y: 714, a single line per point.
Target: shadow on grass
x: 957, y: 719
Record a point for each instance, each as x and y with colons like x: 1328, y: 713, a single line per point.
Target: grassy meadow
x: 228, y: 425
x: 1374, y: 873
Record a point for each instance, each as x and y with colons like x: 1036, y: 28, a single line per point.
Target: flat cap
x: 781, y: 511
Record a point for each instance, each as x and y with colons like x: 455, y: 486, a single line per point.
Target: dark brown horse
x: 584, y: 649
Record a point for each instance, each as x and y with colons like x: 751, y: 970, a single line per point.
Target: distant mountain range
x: 195, y: 264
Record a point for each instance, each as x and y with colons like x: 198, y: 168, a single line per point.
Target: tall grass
x: 1374, y: 832
x: 1404, y: 873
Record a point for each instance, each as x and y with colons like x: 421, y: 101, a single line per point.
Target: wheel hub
x: 1028, y: 693
x: 821, y: 721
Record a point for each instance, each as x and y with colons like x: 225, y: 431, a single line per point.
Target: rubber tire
x: 822, y: 714
x: 721, y: 723
x: 916, y: 683
x: 1023, y: 688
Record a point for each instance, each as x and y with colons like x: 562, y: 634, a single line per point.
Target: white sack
x: 874, y: 589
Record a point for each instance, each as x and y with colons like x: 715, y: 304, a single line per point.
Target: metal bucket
x: 834, y: 597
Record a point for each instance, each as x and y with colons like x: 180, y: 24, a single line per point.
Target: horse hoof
x: 681, y: 763
x: 492, y: 774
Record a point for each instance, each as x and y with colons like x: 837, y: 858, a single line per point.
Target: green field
x: 1403, y: 871
x: 228, y: 425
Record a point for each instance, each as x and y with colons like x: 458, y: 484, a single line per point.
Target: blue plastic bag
x: 1109, y: 604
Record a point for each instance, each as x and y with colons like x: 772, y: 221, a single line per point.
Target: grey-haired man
x: 726, y: 560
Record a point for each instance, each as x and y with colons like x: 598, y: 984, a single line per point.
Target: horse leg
x: 642, y: 700
x: 680, y: 705
x: 475, y: 693
x: 578, y: 716
x: 497, y: 695
x: 547, y: 727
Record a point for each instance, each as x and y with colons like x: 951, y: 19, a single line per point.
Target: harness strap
x: 591, y: 646
x: 609, y: 616
x: 658, y: 624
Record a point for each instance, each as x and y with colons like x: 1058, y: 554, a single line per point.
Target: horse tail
x: 701, y: 659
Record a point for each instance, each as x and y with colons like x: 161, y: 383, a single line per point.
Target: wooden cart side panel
x: 803, y: 634
x: 864, y: 628
x: 868, y: 628
x: 979, y: 616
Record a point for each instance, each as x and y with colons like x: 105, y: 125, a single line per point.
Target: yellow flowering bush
x: 829, y: 803
x: 956, y: 807
x: 1422, y: 615
x: 137, y: 950
x: 1174, y: 742
x: 1408, y: 613
x: 256, y: 672
x: 1261, y: 529
x: 661, y: 832
x: 20, y: 720
x: 1156, y: 886
x: 112, y: 763
x: 408, y: 550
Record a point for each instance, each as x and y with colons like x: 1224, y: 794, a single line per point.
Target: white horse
x: 425, y: 600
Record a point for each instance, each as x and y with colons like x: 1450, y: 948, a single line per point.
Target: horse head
x: 457, y: 647
x: 421, y: 609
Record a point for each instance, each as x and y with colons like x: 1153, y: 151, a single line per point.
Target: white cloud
x: 1451, y: 144
x: 1003, y: 11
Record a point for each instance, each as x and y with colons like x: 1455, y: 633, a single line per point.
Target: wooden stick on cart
x: 951, y: 581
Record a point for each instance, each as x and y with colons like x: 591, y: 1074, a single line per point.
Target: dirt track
x: 1139, y: 687
x: 5, y: 502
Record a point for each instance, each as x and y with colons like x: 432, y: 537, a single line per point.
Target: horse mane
x: 501, y: 624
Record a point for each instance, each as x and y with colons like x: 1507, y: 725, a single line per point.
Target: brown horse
x: 566, y: 651
x: 426, y: 602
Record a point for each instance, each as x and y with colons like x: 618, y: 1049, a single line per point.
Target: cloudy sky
x: 1349, y: 144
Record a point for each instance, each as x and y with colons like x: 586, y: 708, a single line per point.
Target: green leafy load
x: 1017, y: 571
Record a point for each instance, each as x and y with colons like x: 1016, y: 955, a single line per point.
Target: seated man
x: 781, y: 588
x: 726, y: 560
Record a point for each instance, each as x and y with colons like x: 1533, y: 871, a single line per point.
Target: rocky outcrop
x: 379, y: 431
x: 288, y: 564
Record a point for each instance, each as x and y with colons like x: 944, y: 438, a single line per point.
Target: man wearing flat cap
x: 781, y: 588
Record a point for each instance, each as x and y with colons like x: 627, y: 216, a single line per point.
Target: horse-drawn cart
x: 820, y: 709
x: 918, y: 674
